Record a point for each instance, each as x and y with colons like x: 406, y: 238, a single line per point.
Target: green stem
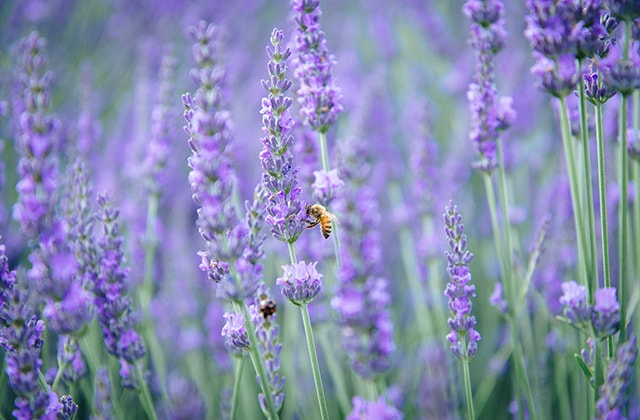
x: 257, y: 360
x: 337, y: 374
x: 578, y: 219
x: 592, y: 269
x: 324, y: 158
x: 599, y: 369
x: 315, y: 367
x: 236, y: 387
x: 145, y: 395
x: 467, y: 386
x: 602, y: 188
x: 623, y: 205
x: 506, y: 225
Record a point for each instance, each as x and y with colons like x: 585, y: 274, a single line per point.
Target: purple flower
x: 70, y: 359
x: 235, y: 334
x: 267, y: 333
x: 116, y: 316
x: 625, y: 9
x: 596, y: 92
x: 284, y: 207
x: 614, y: 393
x: 21, y: 338
x: 559, y: 77
x: 489, y: 114
x: 318, y: 95
x: 68, y: 408
x: 379, y: 410
x: 496, y: 299
x: 326, y: 184
x: 620, y: 74
x: 574, y: 300
x: 102, y: 406
x: 552, y: 27
x: 300, y: 282
x: 36, y: 132
x: 605, y: 316
x: 228, y: 252
x: 459, y: 290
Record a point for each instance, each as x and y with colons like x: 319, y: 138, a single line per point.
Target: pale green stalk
x: 467, y: 383
x: 569, y: 154
x: 236, y: 387
x: 336, y: 372
x: 145, y: 395
x: 636, y: 182
x: 602, y: 188
x: 311, y: 346
x: 592, y: 269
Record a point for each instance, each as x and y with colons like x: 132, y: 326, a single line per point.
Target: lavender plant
x: 381, y: 112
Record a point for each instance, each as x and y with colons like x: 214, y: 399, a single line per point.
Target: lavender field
x: 305, y: 209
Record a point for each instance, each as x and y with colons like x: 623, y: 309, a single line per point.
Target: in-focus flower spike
x: 614, y: 393
x: 318, y: 95
x: 264, y: 318
x: 69, y: 408
x: 284, y: 206
x: 459, y: 290
x: 300, y: 282
x: 116, y: 316
x: 226, y: 258
x: 36, y: 135
x: 596, y: 92
x: 21, y: 338
x: 380, y: 409
x: 490, y: 115
x: 102, y: 405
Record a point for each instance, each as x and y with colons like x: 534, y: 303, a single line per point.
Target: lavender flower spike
x: 21, y: 338
x: 318, y: 95
x: 300, y: 282
x: 280, y: 178
x: 614, y: 392
x: 115, y: 314
x: 459, y: 290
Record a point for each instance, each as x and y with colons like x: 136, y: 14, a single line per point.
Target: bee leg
x: 311, y: 224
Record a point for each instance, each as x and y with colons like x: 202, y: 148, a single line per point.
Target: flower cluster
x: 604, y: 315
x: 36, y: 135
x: 115, y: 311
x: 614, y: 394
x: 212, y: 177
x: 268, y: 345
x: 490, y: 115
x: 318, y: 94
x: 21, y: 338
x: 459, y: 290
x: 362, y: 300
x: 280, y: 178
x: 380, y: 409
x: 300, y: 282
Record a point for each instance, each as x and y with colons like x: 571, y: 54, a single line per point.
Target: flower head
x: 459, y: 290
x: 300, y: 282
x: 614, y: 392
x: 574, y: 300
x: 606, y: 312
x: 280, y: 178
x: 235, y: 334
x: 318, y: 95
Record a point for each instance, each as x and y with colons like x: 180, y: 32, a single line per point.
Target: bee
x: 320, y: 216
x: 267, y: 307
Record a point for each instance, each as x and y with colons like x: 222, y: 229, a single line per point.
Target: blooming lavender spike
x: 269, y: 347
x: 115, y: 313
x: 212, y: 177
x: 459, y: 290
x: 620, y: 74
x: 21, y: 338
x: 300, y: 282
x: 235, y: 334
x: 36, y: 139
x: 489, y: 114
x: 318, y: 95
x: 69, y: 408
x: 614, y: 393
x: 280, y: 179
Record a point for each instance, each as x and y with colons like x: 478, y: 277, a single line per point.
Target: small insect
x: 267, y: 307
x: 320, y: 216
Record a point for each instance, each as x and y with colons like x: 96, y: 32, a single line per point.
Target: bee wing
x: 333, y: 217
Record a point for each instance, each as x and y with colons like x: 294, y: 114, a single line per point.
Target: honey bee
x: 320, y: 216
x: 267, y: 307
